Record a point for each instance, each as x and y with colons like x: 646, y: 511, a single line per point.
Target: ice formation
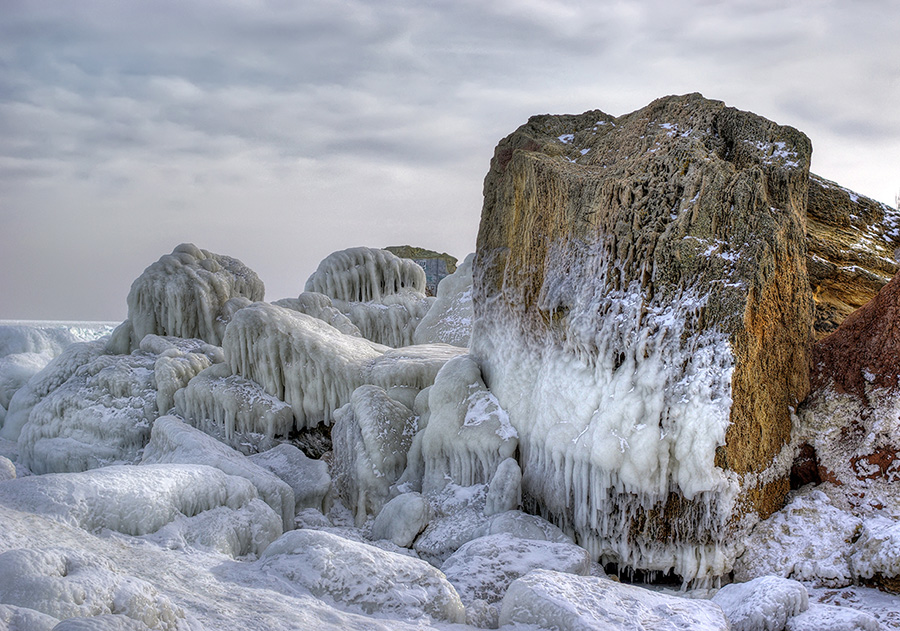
x: 178, y: 362
x: 7, y: 469
x: 371, y: 437
x: 392, y: 320
x: 64, y: 584
x: 13, y: 618
x: 237, y: 409
x: 174, y: 441
x: 362, y: 577
x: 315, y: 368
x: 365, y: 275
x: 763, y: 604
x: 831, y: 618
x: 505, y: 489
x: 876, y: 555
x: 449, y: 320
x: 402, y: 519
x: 308, y: 478
x: 320, y: 306
x: 566, y: 602
x: 186, y: 294
x: 467, y: 434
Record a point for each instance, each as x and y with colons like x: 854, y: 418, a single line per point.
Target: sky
x: 278, y: 132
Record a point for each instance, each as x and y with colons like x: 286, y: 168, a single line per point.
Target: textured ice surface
x: 315, y: 368
x: 186, y: 294
x: 178, y: 362
x: 808, y: 540
x: 371, y: 437
x: 763, y: 604
x: 391, y: 320
x: 14, y: 618
x: 565, y: 602
x: 65, y: 583
x: 238, y: 408
x: 467, y: 434
x: 402, y: 519
x: 365, y: 274
x: 320, y: 306
x: 103, y: 622
x: 877, y: 552
x: 308, y: 478
x: 449, y: 319
x: 7, y: 469
x: 505, y: 488
x: 127, y: 499
x: 174, y: 441
x: 362, y: 577
x: 831, y: 618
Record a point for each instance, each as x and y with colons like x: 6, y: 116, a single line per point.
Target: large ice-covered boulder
x: 362, y: 577
x: 643, y: 313
x: 568, y: 602
x: 308, y: 478
x: 315, y: 368
x: 449, y: 319
x: 763, y: 604
x: 186, y: 294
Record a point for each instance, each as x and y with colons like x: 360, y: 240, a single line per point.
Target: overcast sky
x: 277, y: 132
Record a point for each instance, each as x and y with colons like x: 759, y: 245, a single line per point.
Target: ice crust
x: 309, y: 479
x: 449, y: 320
x: 174, y: 441
x: 392, y: 320
x: 186, y: 294
x: 402, y: 519
x: 13, y: 618
x: 362, y: 577
x: 565, y: 602
x: 763, y: 604
x: 364, y: 275
x: 371, y: 437
x: 623, y: 403
x: 320, y: 306
x: 315, y: 368
x: 831, y: 618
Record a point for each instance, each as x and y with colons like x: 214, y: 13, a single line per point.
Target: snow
x: 361, y: 577
x: 565, y: 602
x: 763, y: 604
x: 831, y: 618
x: 877, y: 551
x: 449, y: 320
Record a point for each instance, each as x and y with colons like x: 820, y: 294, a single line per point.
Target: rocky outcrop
x: 437, y: 265
x: 852, y: 242
x: 643, y: 313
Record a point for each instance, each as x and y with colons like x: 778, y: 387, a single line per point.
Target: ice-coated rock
x: 808, y: 540
x: 65, y: 583
x: 554, y: 600
x: 505, y: 489
x: 371, y: 437
x: 831, y: 618
x: 876, y: 554
x: 449, y: 319
x: 186, y: 294
x: 308, y: 478
x: 365, y: 275
x: 402, y: 519
x: 178, y: 362
x: 16, y: 370
x: 392, y: 320
x: 173, y: 441
x: 851, y: 245
x: 7, y: 469
x: 127, y: 499
x: 468, y: 434
x: 635, y: 279
x: 484, y: 568
x: 315, y: 368
x: 523, y: 526
x: 763, y: 604
x: 234, y: 409
x: 362, y: 577
x: 437, y: 265
x: 320, y: 306
x: 14, y: 618
x: 103, y: 622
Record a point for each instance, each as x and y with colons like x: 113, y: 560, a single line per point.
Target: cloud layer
x: 278, y: 131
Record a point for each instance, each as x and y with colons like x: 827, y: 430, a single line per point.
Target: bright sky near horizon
x: 277, y: 132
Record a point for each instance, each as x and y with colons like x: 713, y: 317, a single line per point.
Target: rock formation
x: 643, y: 312
x: 437, y: 265
x: 852, y: 242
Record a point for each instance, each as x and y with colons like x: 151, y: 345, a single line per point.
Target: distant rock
x: 644, y: 314
x: 437, y: 265
x: 852, y: 244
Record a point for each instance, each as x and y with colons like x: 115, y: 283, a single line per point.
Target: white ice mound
x: 450, y: 318
x: 832, y: 618
x: 65, y: 583
x: 174, y: 441
x: 14, y: 618
x: 505, y: 489
x: 47, y: 338
x: 315, y: 368
x: 185, y: 294
x: 371, y: 437
x: 308, y: 478
x: 763, y: 604
x: 320, y: 306
x: 484, y: 568
x: 365, y: 274
x: 402, y: 519
x: 362, y: 577
x: 807, y: 540
x: 104, y: 622
x: 235, y: 409
x: 391, y: 320
x: 565, y: 602
x: 876, y: 554
x: 128, y: 499
x: 178, y: 361
x: 467, y: 434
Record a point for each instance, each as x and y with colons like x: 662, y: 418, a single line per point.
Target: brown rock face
x: 851, y: 240
x: 644, y: 314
